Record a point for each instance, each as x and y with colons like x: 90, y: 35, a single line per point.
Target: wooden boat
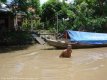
x: 57, y: 43
x: 80, y: 39
x: 62, y: 44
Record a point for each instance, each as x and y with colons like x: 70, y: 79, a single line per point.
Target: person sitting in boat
x: 67, y: 52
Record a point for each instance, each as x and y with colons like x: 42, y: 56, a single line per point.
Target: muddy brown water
x: 41, y: 62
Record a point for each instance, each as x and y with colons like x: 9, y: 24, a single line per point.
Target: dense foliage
x: 88, y: 15
x: 23, y: 5
x: 56, y: 16
x: 3, y: 1
x: 85, y: 15
x: 15, y: 38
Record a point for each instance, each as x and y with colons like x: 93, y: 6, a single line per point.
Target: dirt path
x: 41, y: 62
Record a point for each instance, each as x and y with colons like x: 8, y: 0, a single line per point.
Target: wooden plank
x: 38, y: 39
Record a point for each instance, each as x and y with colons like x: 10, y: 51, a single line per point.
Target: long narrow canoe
x: 80, y: 39
x: 62, y: 44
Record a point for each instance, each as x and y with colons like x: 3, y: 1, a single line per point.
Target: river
x: 42, y: 62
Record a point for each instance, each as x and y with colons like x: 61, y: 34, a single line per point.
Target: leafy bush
x: 15, y: 38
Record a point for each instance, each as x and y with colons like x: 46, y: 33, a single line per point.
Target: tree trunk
x: 100, y: 2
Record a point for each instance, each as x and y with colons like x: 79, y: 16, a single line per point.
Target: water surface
x: 43, y: 63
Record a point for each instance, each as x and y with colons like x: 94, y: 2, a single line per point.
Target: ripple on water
x: 89, y: 58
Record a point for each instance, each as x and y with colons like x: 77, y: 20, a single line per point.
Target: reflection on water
x: 41, y: 63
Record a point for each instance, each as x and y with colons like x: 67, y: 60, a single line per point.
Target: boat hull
x: 63, y: 44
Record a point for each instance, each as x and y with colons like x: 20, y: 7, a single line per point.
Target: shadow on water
x: 52, y: 48
x: 5, y: 49
x: 90, y: 47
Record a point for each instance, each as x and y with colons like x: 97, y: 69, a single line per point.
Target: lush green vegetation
x: 15, y: 38
x: 86, y: 15
x: 56, y: 16
x: 3, y: 1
